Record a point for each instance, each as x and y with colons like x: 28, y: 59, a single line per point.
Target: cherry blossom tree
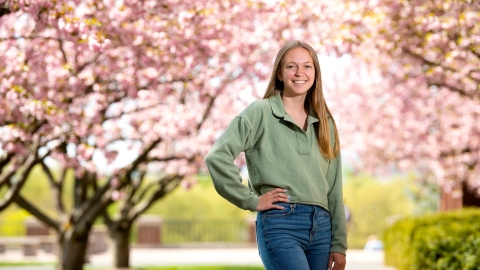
x: 129, y: 95
x: 407, y: 91
x: 116, y: 90
x: 416, y: 101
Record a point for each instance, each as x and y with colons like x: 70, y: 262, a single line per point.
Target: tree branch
x: 91, y: 208
x: 169, y: 158
x: 89, y: 204
x: 50, y: 178
x: 143, y: 156
x: 131, y: 111
x: 5, y: 9
x: 63, y: 176
x: 135, y: 187
x: 435, y: 64
x: 80, y: 189
x: 164, y: 189
x: 425, y: 61
x: 455, y: 152
x: 14, y: 188
x: 106, y: 218
x: 98, y: 207
x: 206, y: 113
x: 60, y: 45
x: 56, y: 187
x: 36, y: 125
x: 82, y: 67
x: 37, y: 213
x: 30, y: 38
x: 4, y: 161
x: 6, y: 175
x: 147, y: 189
x: 477, y: 54
x: 452, y: 88
x: 126, y: 203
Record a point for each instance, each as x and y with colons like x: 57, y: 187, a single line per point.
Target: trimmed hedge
x: 449, y: 240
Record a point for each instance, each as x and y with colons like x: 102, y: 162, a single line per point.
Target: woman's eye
x: 289, y: 67
x: 308, y: 66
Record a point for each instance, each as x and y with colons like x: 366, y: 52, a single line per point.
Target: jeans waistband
x: 305, y: 206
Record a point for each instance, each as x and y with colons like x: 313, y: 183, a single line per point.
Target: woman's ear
x: 279, y: 75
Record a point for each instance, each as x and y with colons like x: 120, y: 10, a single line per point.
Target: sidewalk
x: 356, y: 259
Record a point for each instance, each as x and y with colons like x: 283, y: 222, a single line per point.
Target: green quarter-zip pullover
x: 278, y: 154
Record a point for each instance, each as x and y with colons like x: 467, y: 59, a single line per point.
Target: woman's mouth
x: 299, y: 82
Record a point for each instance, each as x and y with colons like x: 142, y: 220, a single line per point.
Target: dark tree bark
x: 72, y: 229
x: 136, y: 203
x: 4, y: 10
x: 73, y: 248
x: 120, y: 235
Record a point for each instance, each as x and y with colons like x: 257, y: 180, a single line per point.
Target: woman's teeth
x: 299, y: 82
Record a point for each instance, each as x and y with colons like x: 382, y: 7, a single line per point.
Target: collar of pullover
x: 279, y: 110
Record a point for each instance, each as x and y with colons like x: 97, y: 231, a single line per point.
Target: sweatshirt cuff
x: 252, y: 206
x: 338, y: 249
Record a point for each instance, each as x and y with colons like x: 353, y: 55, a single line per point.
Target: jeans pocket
x: 287, y: 210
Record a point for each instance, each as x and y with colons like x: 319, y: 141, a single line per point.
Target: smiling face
x: 297, y: 72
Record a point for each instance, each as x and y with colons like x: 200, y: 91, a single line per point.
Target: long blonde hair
x: 314, y: 101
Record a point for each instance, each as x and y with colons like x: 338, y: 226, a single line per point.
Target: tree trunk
x: 120, y: 236
x: 72, y: 251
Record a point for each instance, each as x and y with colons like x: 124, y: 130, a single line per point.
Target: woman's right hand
x: 266, y: 201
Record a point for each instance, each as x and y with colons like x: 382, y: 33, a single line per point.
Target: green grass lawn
x: 194, y: 268
x: 4, y: 265
x: 205, y: 268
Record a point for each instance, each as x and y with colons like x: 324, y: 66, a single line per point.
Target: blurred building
x: 459, y: 198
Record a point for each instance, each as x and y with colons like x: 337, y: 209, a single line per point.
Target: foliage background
x: 373, y: 202
x: 447, y: 240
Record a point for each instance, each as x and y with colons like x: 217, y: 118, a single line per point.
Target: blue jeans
x: 296, y: 238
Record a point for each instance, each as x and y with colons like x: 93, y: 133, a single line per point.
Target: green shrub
x: 16, y: 221
x: 448, y: 240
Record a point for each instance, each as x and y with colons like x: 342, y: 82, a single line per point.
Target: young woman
x: 292, y: 150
